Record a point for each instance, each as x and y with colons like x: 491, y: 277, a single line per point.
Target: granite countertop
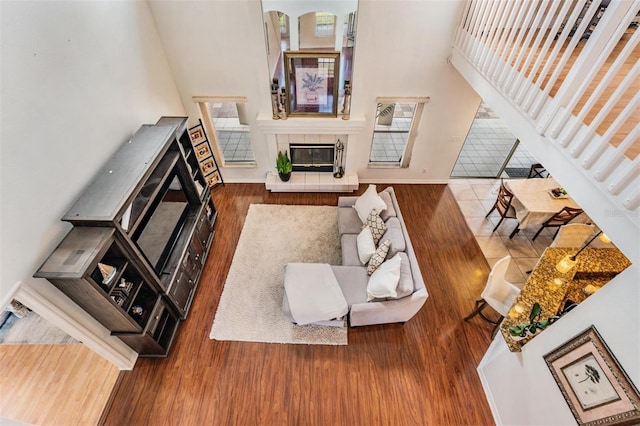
x: 551, y: 289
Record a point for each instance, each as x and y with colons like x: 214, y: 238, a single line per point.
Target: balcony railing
x: 571, y: 67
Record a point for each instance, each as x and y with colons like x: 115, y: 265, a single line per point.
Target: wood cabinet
x: 142, y: 232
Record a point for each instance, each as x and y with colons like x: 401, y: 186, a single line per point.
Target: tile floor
x: 234, y: 138
x: 486, y: 148
x: 389, y: 140
x: 475, y: 198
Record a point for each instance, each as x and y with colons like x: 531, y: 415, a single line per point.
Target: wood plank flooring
x: 64, y: 384
x: 423, y: 372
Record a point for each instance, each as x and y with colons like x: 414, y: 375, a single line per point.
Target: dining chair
x: 537, y: 170
x: 503, y: 205
x: 573, y: 235
x: 498, y: 293
x: 564, y: 216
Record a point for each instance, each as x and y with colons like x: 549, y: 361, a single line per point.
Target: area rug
x: 250, y: 307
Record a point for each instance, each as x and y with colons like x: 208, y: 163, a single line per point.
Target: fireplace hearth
x: 312, y: 158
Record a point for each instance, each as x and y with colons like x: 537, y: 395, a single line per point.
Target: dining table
x: 535, y: 203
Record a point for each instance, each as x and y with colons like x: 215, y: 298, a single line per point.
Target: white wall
x: 217, y: 48
x: 401, y: 50
x: 78, y: 79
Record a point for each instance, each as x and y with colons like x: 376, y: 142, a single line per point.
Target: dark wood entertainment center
x: 142, y: 232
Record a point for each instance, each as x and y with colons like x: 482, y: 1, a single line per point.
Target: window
x: 283, y: 19
x: 225, y: 117
x: 397, y: 121
x: 325, y: 24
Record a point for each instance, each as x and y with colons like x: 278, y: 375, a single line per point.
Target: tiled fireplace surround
x: 310, y: 131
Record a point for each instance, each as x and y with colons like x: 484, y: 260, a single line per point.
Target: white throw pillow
x: 384, y: 280
x: 368, y: 201
x: 366, y: 245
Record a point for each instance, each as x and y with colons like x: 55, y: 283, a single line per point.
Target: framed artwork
x: 197, y: 135
x: 213, y: 179
x: 207, y: 166
x: 592, y: 382
x: 202, y: 151
x: 312, y: 80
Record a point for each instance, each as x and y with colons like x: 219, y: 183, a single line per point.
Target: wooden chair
x: 503, y: 205
x: 498, y: 293
x: 564, y: 216
x: 537, y: 170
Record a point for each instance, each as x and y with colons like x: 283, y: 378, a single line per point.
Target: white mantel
x: 279, y: 133
x: 311, y: 125
x: 314, y: 130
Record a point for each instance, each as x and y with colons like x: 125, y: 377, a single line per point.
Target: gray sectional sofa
x: 352, y: 276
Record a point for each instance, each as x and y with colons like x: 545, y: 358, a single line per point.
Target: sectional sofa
x: 376, y: 297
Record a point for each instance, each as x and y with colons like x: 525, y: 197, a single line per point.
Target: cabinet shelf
x: 144, y: 220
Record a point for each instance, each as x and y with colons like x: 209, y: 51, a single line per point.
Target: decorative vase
x: 285, y: 176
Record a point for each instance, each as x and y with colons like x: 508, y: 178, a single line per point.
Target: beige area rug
x: 250, y: 307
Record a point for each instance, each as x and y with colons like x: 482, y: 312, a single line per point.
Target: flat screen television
x: 163, y: 222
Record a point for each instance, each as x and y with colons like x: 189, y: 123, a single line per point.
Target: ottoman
x: 312, y: 294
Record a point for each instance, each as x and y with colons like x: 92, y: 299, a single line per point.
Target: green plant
x: 534, y: 323
x: 311, y: 81
x: 283, y: 164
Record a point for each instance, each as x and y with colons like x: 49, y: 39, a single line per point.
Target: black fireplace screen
x: 312, y: 158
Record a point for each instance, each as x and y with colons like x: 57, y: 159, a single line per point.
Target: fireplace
x: 312, y: 158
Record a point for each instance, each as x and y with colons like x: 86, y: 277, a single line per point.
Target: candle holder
x: 283, y: 104
x: 346, y: 110
x: 274, y: 99
x: 338, y: 169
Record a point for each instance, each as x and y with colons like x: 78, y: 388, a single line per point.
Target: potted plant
x: 311, y: 82
x: 521, y: 331
x: 283, y: 165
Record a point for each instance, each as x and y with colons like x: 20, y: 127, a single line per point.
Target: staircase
x: 563, y: 75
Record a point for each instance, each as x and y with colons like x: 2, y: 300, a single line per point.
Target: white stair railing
x: 582, y: 95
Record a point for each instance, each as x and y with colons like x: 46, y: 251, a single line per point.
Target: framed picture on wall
x: 593, y: 383
x: 213, y: 179
x: 202, y: 151
x: 312, y: 80
x: 197, y: 135
x: 207, y: 166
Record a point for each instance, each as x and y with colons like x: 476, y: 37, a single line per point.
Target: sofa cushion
x: 378, y: 257
x: 390, y: 211
x: 353, y: 282
x: 368, y: 201
x: 348, y: 221
x: 405, y: 285
x: 350, y: 250
x: 376, y: 225
x: 395, y: 236
x: 365, y: 244
x: 384, y: 280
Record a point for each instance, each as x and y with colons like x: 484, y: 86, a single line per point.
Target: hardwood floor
x: 55, y: 389
x: 423, y: 372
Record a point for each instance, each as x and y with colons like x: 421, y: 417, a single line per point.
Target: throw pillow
x: 366, y: 246
x: 377, y: 226
x: 390, y: 211
x: 378, y: 257
x: 368, y: 201
x: 405, y: 285
x: 395, y: 237
x: 384, y: 280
